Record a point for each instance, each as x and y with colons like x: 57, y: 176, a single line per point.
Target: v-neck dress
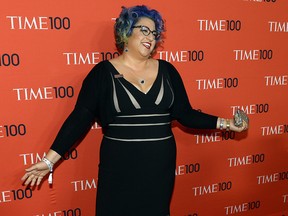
x: 138, y: 150
x: 137, y: 158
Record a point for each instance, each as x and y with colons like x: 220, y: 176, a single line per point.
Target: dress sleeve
x: 182, y: 111
x: 80, y: 120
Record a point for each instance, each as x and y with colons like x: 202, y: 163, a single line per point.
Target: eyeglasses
x: 146, y: 31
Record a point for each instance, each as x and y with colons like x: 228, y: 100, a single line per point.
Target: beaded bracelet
x: 50, y: 166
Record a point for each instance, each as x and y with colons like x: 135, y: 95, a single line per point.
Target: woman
x: 134, y: 97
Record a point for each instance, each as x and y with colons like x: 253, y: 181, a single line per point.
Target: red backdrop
x: 230, y: 54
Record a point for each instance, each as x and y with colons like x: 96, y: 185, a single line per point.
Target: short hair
x: 129, y: 17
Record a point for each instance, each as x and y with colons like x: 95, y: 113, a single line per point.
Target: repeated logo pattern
x: 230, y: 54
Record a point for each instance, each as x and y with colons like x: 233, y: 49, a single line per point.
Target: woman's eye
x: 145, y: 31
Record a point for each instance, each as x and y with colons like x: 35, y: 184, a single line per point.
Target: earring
x: 126, y: 46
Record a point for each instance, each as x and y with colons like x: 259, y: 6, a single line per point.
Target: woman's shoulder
x: 166, y: 63
x: 101, y: 67
x: 167, y: 66
x: 100, y: 71
x: 163, y: 62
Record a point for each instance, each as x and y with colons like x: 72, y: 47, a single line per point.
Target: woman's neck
x: 135, y: 63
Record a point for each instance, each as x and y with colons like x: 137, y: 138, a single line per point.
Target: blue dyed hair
x: 129, y: 17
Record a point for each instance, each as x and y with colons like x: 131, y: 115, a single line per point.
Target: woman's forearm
x: 53, y: 156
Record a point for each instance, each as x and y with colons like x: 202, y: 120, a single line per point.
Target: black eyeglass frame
x: 143, y: 28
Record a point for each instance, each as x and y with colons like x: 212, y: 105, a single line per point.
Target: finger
x: 27, y: 175
x: 33, y: 181
x: 29, y: 171
x: 24, y: 177
x: 245, y: 125
x: 39, y: 180
x: 29, y: 179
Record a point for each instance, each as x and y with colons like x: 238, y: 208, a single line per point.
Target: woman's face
x: 142, y: 40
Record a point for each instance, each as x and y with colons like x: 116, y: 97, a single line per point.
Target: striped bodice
x: 143, y: 127
x: 140, y: 116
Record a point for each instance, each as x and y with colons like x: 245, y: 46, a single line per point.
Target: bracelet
x: 227, y: 124
x: 50, y: 166
x: 221, y: 124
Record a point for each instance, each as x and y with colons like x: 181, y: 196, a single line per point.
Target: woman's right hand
x: 35, y: 173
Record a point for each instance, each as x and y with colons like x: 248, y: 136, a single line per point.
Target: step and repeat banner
x: 230, y: 54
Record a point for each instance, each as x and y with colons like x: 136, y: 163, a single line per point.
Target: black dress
x: 138, y: 151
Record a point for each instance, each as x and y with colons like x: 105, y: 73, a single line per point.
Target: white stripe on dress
x: 143, y: 115
x: 135, y: 125
x: 139, y: 140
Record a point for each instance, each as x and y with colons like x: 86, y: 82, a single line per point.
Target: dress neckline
x: 121, y: 76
